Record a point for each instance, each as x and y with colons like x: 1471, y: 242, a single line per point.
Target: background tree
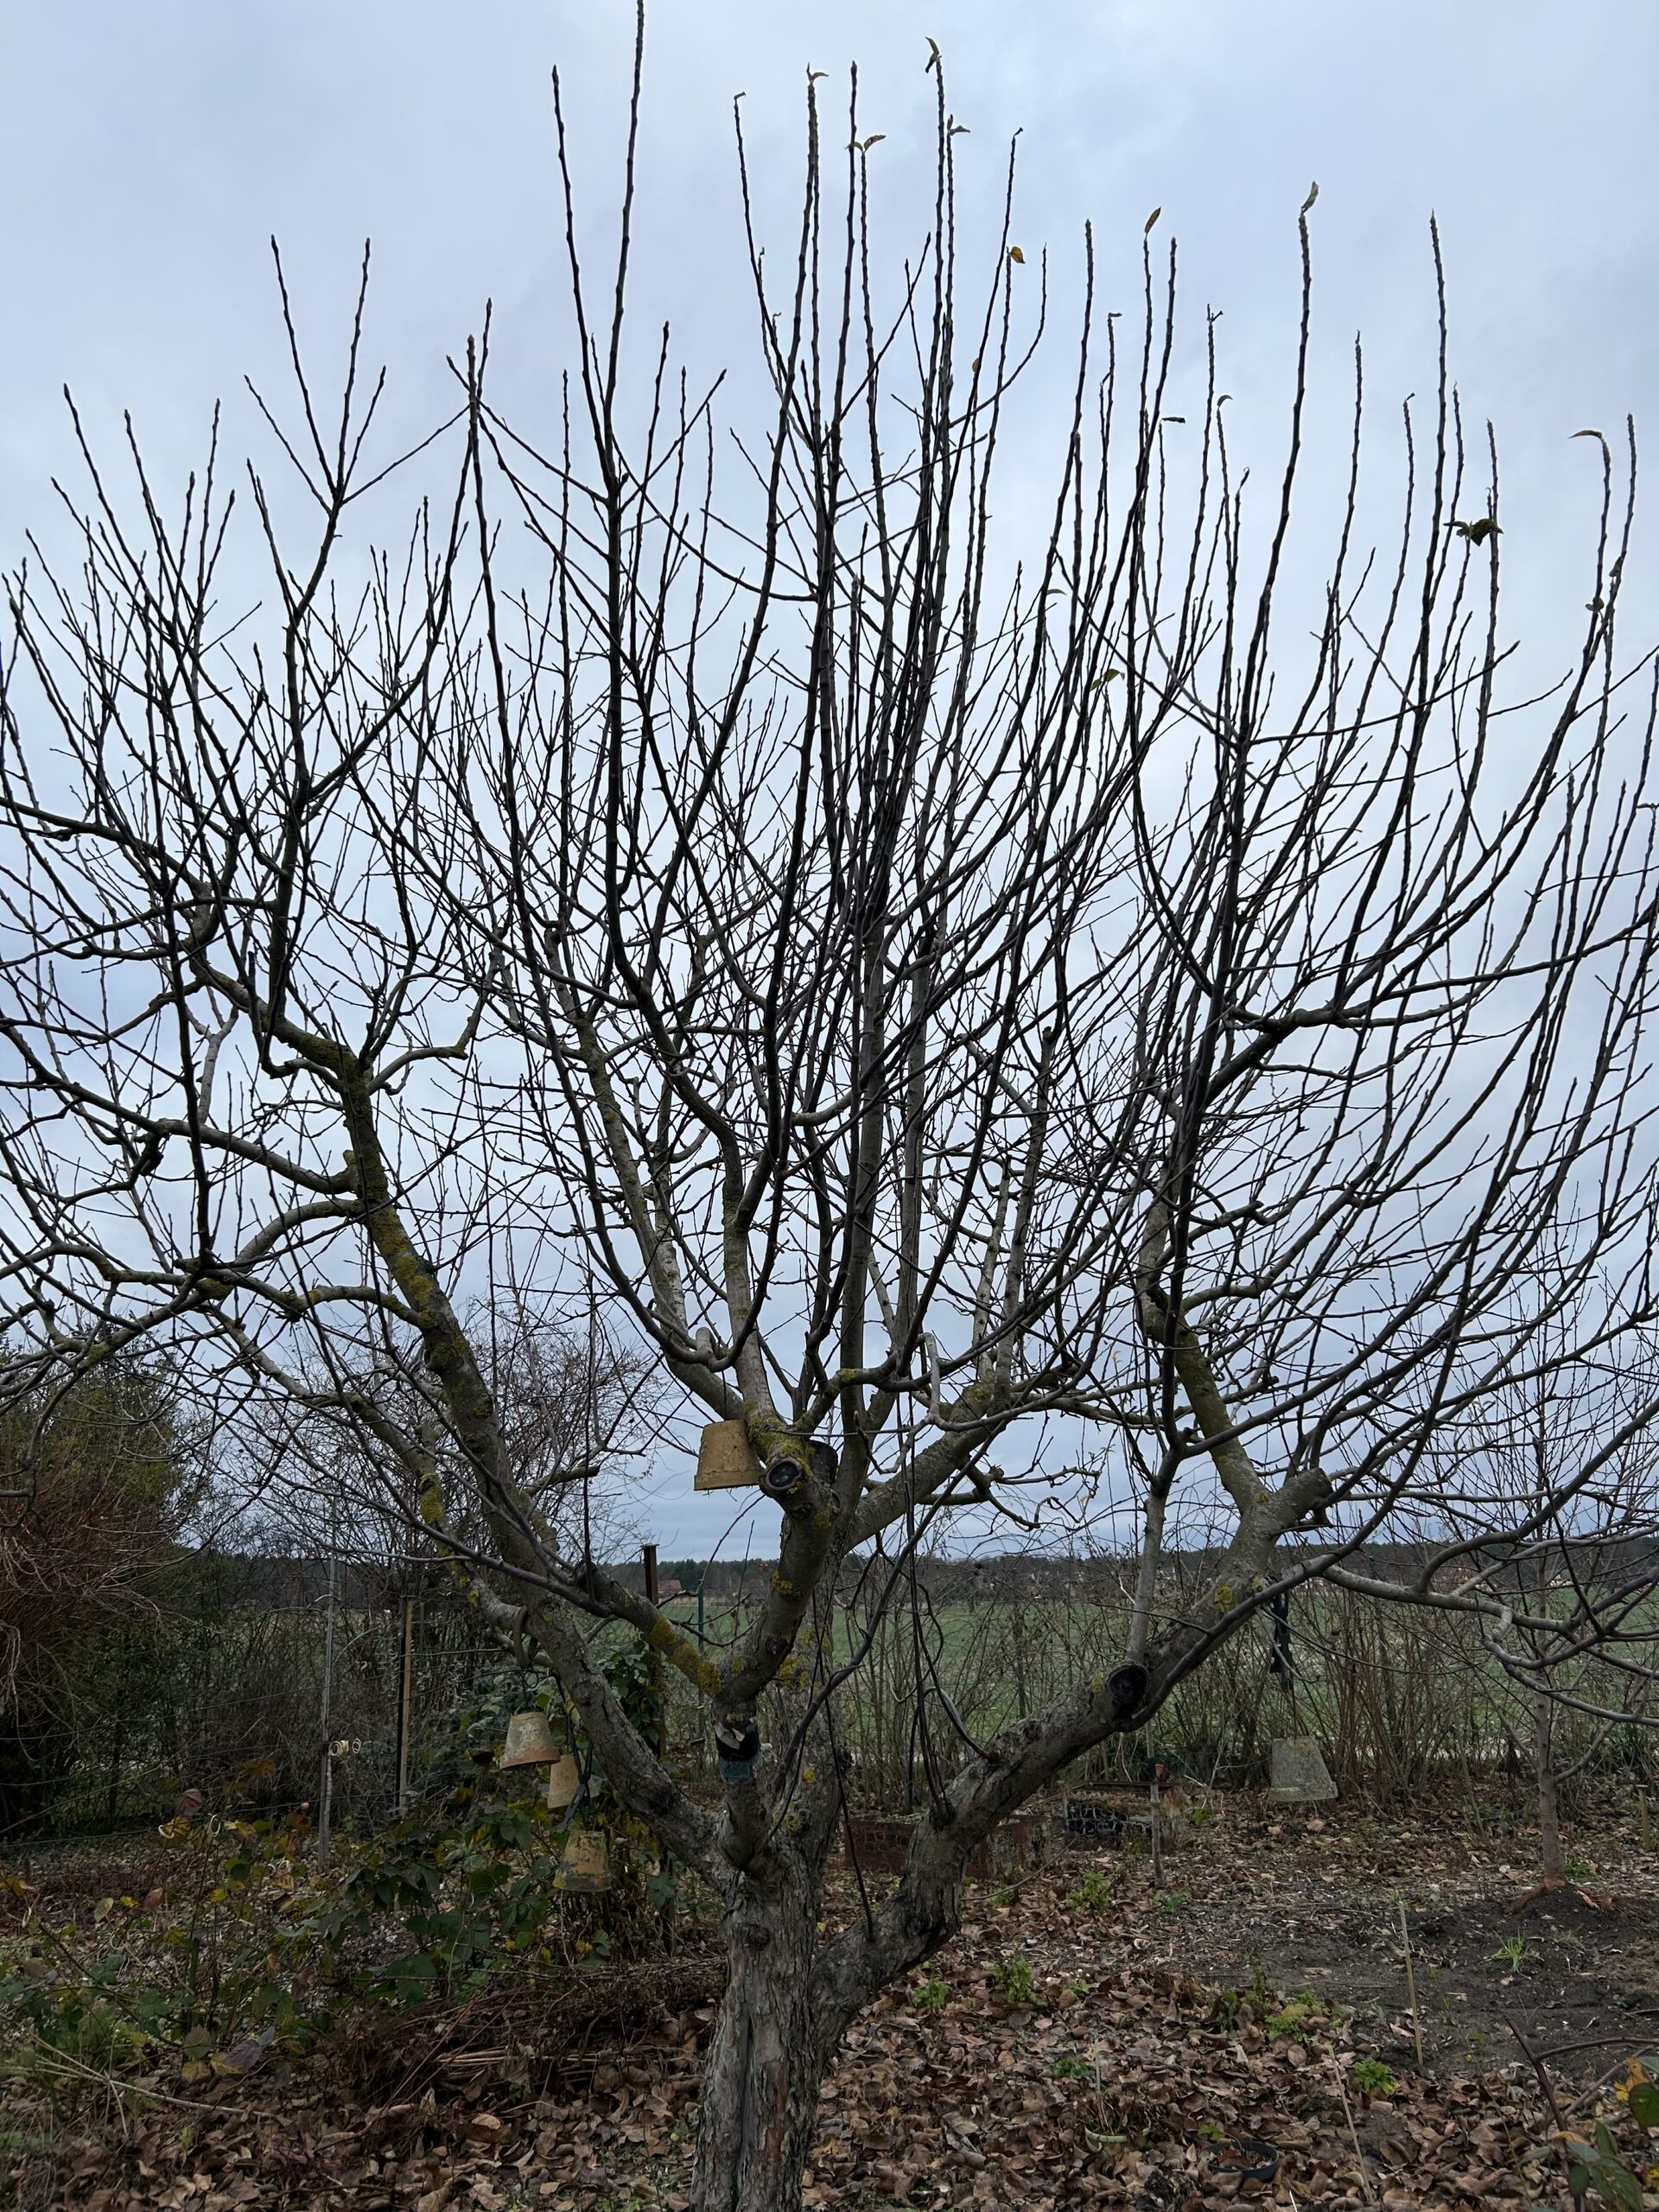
x: 1584, y: 1657
x: 992, y: 1018
x: 576, y: 1408
x: 84, y: 1570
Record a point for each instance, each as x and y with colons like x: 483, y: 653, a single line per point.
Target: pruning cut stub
x: 1127, y: 1686
x: 737, y: 1748
x: 784, y: 1475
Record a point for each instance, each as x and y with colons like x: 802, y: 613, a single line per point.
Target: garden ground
x: 1245, y: 2031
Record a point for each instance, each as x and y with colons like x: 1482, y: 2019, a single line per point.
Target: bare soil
x: 1314, y: 1905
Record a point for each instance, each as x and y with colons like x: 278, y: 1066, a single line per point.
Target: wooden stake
x: 406, y: 1695
x: 656, y: 1662
x: 1348, y: 2114
x: 326, y: 1806
x: 1411, y: 1983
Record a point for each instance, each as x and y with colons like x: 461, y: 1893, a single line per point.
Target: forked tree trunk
x: 766, y: 2062
x: 786, y: 2007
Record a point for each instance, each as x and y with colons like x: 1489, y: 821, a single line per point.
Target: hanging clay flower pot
x: 529, y: 1741
x: 585, y: 1866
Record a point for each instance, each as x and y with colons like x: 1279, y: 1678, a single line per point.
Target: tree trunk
x: 1549, y: 1812
x: 768, y: 2059
x: 786, y: 2007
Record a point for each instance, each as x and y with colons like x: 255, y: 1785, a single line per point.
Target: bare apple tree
x: 1003, y: 1025
x: 1573, y: 1628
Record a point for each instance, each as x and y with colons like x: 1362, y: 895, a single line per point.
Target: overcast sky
x: 147, y: 154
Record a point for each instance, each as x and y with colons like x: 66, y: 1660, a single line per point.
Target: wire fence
x: 262, y: 1707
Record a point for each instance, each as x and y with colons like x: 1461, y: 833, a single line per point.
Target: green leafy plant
x: 1295, y: 2018
x: 1374, y: 2078
x: 244, y: 1945
x: 456, y: 1896
x: 1513, y: 1951
x: 1093, y: 1893
x: 634, y: 1675
x: 1171, y: 1902
x: 934, y: 1994
x: 1069, y: 2068
x: 216, y: 1956
x: 1596, y: 2166
x: 77, y: 2020
x: 1019, y: 1983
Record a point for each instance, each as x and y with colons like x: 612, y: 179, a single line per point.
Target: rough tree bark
x: 759, y: 2102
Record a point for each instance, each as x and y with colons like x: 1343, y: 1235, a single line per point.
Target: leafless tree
x: 1575, y: 1636
x: 1002, y: 1023
x: 575, y: 1410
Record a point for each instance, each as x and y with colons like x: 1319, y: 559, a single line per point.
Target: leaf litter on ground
x: 1064, y: 2052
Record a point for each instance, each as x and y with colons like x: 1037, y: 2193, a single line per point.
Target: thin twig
x: 1548, y: 2089
x: 57, y: 2061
